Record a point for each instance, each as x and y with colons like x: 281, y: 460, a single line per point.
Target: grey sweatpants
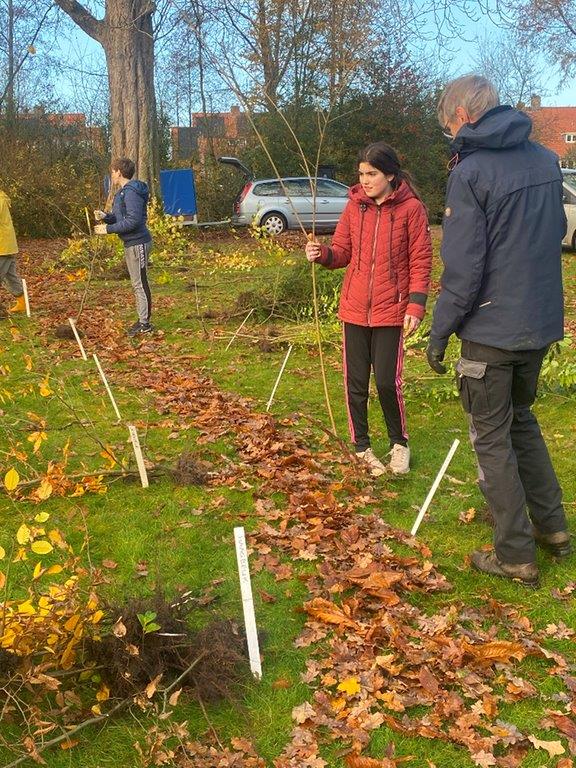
x: 136, y: 257
x: 9, y: 275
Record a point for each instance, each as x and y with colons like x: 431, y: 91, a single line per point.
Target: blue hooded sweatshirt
x: 128, y: 216
x: 502, y: 238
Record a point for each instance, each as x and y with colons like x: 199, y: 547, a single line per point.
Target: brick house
x: 220, y: 132
x: 71, y: 126
x: 555, y: 127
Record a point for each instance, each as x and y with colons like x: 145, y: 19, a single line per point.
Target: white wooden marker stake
x: 110, y: 395
x: 240, y: 328
x: 435, y: 485
x: 138, y: 454
x: 269, y: 403
x: 247, y: 603
x: 26, y: 301
x: 73, y: 326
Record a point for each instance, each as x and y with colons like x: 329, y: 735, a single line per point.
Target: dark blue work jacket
x: 502, y: 232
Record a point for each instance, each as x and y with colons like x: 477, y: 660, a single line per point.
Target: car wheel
x: 274, y: 223
x: 574, y: 241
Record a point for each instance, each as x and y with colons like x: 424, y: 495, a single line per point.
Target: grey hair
x: 474, y: 93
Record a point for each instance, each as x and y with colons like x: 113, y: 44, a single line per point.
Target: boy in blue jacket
x: 128, y: 220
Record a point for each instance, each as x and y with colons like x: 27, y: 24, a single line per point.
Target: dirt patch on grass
x: 190, y: 470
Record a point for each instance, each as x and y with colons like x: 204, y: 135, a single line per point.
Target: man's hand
x: 99, y: 215
x: 100, y: 229
x: 435, y: 357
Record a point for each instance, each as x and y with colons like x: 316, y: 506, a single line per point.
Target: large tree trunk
x: 126, y: 35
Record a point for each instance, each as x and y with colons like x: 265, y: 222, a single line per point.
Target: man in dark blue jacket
x: 128, y: 220
x: 501, y: 294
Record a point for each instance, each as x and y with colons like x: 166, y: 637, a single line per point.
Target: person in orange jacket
x: 383, y: 240
x: 8, y: 250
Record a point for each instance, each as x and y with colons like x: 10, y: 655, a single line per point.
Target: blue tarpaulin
x: 178, y: 192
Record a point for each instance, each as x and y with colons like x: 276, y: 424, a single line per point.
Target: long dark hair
x: 382, y: 156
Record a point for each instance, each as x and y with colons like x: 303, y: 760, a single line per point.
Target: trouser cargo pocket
x: 471, y: 383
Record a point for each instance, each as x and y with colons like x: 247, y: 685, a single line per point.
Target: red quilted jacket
x: 388, y: 252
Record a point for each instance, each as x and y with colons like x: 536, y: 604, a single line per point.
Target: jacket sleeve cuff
x: 327, y: 256
x: 417, y: 297
x: 416, y: 310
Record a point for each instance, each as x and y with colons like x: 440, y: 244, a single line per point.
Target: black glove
x: 435, y: 357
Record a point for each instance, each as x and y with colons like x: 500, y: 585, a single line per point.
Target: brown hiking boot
x: 488, y: 562
x: 558, y: 544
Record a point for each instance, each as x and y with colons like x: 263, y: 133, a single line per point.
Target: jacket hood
x: 500, y: 128
x: 140, y: 187
x: 404, y: 192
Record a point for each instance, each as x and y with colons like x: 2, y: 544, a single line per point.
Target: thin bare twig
x: 69, y: 734
x: 166, y: 691
x: 203, y: 708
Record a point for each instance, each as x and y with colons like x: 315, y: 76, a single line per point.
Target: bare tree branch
x: 82, y: 17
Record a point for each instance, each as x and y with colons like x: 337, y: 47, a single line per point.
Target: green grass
x: 185, y: 534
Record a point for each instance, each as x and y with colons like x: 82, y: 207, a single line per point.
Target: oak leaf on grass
x: 552, y: 747
x: 303, y: 712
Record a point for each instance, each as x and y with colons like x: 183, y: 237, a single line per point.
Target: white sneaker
x: 399, y: 459
x: 374, y: 464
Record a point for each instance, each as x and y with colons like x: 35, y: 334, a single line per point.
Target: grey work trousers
x: 9, y: 275
x: 136, y: 257
x: 497, y: 389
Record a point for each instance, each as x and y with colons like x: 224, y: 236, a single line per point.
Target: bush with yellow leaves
x: 82, y: 254
x: 43, y: 620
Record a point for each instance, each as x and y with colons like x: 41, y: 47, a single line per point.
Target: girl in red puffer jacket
x: 383, y: 239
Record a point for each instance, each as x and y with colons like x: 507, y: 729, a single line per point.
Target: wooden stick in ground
x: 198, y: 313
x: 247, y: 602
x: 239, y: 328
x: 269, y: 403
x: 320, y: 348
x: 77, y: 337
x: 108, y: 390
x: 88, y: 281
x: 435, y: 485
x: 26, y: 300
x: 138, y: 454
x: 88, y: 221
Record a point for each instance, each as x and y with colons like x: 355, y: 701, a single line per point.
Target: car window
x: 296, y: 188
x: 569, y: 195
x: 331, y: 189
x: 268, y: 189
